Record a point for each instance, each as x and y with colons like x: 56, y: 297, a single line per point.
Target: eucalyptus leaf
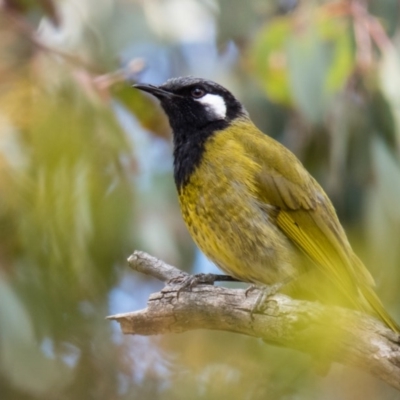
x: 22, y: 360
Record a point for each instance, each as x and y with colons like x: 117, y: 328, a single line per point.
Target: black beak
x: 154, y: 90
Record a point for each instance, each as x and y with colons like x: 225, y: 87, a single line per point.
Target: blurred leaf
x: 381, y: 118
x: 383, y: 219
x: 270, y: 59
x: 336, y: 34
x: 143, y: 107
x: 235, y: 21
x: 73, y: 182
x: 21, y: 360
x: 387, y: 170
x: 389, y: 77
x: 304, y: 65
x: 67, y: 200
x: 309, y: 59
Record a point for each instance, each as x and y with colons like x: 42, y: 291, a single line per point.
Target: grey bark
x: 326, y: 333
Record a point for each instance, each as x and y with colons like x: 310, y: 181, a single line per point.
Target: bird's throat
x: 189, y: 147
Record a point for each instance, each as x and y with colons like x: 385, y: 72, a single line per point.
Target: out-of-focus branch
x: 90, y: 76
x: 28, y: 31
x: 327, y: 333
x: 368, y: 29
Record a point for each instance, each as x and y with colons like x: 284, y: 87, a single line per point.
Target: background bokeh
x: 86, y: 178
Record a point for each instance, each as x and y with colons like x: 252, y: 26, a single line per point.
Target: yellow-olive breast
x: 226, y: 218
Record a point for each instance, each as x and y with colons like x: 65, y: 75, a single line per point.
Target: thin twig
x: 25, y: 28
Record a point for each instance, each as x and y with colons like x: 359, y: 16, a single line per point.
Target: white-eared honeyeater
x: 252, y: 207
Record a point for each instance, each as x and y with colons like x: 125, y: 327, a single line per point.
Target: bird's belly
x: 241, y: 240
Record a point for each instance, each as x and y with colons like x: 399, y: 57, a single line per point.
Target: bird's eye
x: 197, y: 93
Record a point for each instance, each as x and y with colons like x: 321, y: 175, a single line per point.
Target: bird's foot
x: 265, y: 293
x: 253, y: 287
x: 188, y: 282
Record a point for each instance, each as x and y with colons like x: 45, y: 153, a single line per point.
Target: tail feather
x: 375, y: 304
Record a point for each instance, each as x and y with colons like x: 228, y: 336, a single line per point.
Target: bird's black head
x: 195, y: 103
x: 196, y: 109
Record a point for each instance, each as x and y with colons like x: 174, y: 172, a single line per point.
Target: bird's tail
x: 372, y: 304
x: 377, y: 307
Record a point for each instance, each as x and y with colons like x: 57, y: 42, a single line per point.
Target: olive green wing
x: 317, y: 236
x: 306, y: 216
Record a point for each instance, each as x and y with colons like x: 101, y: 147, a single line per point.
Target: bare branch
x: 327, y: 333
x: 23, y: 26
x: 149, y: 265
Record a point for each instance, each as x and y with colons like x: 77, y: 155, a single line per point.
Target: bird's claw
x: 265, y: 293
x: 251, y: 288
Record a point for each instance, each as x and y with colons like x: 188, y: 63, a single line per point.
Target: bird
x: 252, y: 207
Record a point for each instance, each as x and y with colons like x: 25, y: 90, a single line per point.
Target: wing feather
x: 307, y: 217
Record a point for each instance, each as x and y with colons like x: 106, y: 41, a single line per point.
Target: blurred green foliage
x: 85, y: 178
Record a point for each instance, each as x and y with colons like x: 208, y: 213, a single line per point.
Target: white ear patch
x: 215, y: 104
